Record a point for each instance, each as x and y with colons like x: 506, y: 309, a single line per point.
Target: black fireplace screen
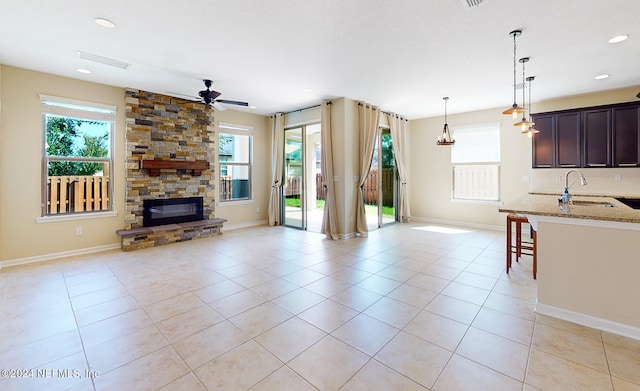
x: 171, y: 211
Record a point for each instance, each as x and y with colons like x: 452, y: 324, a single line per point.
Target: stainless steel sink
x: 630, y: 202
x: 593, y: 203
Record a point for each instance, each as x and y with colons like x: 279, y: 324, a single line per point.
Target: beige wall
x: 430, y: 165
x: 21, y: 143
x: 240, y: 214
x: 21, y: 167
x: 592, y: 271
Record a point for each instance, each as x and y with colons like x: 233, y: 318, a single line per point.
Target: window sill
x: 480, y: 202
x: 71, y: 217
x: 233, y: 203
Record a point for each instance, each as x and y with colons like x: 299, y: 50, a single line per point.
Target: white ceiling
x: 401, y: 55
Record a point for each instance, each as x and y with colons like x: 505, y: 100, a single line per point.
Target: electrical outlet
x: 525, y: 178
x: 617, y: 177
x: 557, y: 178
x: 257, y: 210
x: 78, y: 231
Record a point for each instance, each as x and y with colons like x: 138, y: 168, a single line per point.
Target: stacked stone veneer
x: 163, y: 127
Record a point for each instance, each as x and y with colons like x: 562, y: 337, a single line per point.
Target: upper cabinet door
x: 626, y: 136
x: 596, y: 138
x: 544, y: 142
x: 568, y: 137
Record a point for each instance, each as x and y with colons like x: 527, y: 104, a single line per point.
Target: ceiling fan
x: 210, y: 96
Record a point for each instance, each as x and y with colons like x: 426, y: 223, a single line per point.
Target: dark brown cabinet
x: 626, y: 136
x: 603, y: 136
x: 568, y: 139
x: 544, y: 142
x: 597, y: 138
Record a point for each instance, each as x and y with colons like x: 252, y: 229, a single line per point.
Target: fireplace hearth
x: 161, y: 211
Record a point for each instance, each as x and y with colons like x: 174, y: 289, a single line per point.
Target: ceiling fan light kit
x: 210, y: 97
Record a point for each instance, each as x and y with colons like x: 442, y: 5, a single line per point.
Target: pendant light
x: 446, y: 138
x: 531, y: 130
x: 524, y: 123
x: 515, y: 109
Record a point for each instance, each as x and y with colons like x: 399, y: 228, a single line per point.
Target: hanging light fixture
x: 524, y: 122
x: 531, y: 130
x: 446, y: 138
x: 515, y: 109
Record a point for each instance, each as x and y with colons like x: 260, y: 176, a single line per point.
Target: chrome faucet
x: 565, y: 197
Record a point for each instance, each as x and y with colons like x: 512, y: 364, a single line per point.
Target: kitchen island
x: 588, y: 256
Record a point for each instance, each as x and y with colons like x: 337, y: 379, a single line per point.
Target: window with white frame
x: 475, y: 162
x: 235, y: 143
x: 78, y: 156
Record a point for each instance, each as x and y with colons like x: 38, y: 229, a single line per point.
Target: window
x: 77, y: 156
x: 234, y: 161
x: 475, y: 162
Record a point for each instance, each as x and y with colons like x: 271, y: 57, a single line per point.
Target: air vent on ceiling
x: 103, y: 60
x: 472, y: 3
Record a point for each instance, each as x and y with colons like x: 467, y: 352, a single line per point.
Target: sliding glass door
x: 293, y: 187
x: 380, y: 188
x: 302, y: 191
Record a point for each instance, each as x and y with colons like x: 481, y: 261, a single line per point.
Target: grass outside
x: 370, y: 209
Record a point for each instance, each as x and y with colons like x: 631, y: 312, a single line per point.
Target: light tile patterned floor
x: 408, y: 308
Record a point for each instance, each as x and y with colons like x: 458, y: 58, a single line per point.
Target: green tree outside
x: 61, y: 135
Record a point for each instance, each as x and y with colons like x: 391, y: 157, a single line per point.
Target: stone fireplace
x: 170, y: 151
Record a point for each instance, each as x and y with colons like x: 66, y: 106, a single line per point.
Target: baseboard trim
x: 52, y: 256
x: 589, y: 321
x: 244, y: 225
x: 458, y: 223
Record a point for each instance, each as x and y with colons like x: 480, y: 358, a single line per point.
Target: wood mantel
x: 154, y: 166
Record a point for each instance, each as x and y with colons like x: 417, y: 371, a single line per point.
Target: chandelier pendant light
x: 515, y: 109
x: 530, y: 130
x: 446, y: 138
x: 524, y: 122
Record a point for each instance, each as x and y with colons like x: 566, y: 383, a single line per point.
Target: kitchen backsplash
x: 600, y: 181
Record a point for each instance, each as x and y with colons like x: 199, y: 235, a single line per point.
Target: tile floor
x: 411, y: 307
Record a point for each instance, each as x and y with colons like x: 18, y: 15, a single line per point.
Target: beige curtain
x: 277, y: 159
x: 398, y: 126
x: 369, y: 117
x: 330, y: 218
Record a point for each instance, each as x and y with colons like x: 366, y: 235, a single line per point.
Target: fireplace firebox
x: 161, y: 211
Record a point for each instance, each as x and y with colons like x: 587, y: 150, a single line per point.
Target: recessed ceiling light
x: 105, y: 23
x: 252, y: 107
x: 82, y: 70
x: 307, y: 90
x: 603, y: 76
x: 618, y: 38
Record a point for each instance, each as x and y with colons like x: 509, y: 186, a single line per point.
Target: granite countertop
x: 548, y: 205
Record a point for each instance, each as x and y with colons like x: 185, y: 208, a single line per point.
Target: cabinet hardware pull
x: 568, y: 165
x: 627, y: 165
x: 597, y: 164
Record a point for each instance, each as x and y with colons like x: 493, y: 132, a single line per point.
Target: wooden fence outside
x: 69, y: 194
x: 293, y: 186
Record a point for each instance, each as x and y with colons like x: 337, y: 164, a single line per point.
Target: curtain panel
x: 369, y: 129
x: 398, y: 126
x: 277, y: 160
x: 330, y: 218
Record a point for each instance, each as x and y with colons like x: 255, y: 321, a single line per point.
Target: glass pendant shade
x: 514, y: 110
x: 530, y: 130
x: 446, y: 138
x: 524, y: 123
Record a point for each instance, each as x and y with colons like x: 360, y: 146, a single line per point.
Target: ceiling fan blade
x: 218, y: 106
x: 232, y: 102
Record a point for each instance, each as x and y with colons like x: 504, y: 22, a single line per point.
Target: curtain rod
x: 386, y: 112
x: 306, y: 108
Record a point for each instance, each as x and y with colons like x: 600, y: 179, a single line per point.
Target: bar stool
x: 521, y: 247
